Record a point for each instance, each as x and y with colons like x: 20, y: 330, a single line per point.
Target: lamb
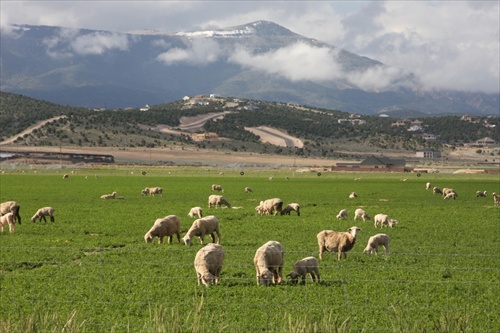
x: 481, y: 194
x: 164, y: 227
x: 496, y: 200
x: 109, y: 196
x: 335, y: 241
x: 384, y: 220
x: 353, y: 195
x: 303, y: 267
x: 449, y: 195
x: 217, y: 200
x: 261, y: 210
x: 291, y: 206
x: 269, y: 261
x: 11, y: 207
x: 274, y: 206
x: 9, y: 219
x: 436, y: 190
x: 375, y: 241
x: 196, y: 211
x: 342, y: 215
x: 201, y: 227
x: 248, y: 190
x: 42, y: 213
x: 152, y: 191
x: 361, y: 213
x: 427, y: 186
x: 217, y: 188
x: 208, y: 264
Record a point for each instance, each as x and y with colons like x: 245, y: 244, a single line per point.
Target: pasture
x: 91, y: 271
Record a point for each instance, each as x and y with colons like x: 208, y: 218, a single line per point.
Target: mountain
x: 259, y: 60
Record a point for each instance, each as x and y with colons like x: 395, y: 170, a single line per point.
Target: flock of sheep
x: 9, y: 214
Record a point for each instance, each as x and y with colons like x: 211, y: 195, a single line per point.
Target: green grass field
x: 91, y: 271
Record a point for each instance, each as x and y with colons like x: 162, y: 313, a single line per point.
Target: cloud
x: 201, y: 52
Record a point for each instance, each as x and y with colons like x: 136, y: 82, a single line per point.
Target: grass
x: 92, y: 271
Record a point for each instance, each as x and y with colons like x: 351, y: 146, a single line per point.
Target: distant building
x: 374, y: 164
x: 145, y: 108
x: 486, y: 142
x: 428, y: 153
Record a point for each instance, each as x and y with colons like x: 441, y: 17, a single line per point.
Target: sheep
x: 361, y: 213
x: 155, y: 190
x: 436, y: 190
x: 446, y: 191
x: 481, y: 194
x: 269, y: 261
x: 217, y: 200
x: 303, y: 267
x: 342, y: 215
x: 11, y: 207
x: 65, y: 176
x: 145, y: 191
x: 496, y: 199
x: 449, y: 195
x: 274, y: 206
x: 196, y: 211
x: 201, y: 227
x: 291, y: 206
x: 428, y: 186
x: 208, y: 264
x: 375, y: 241
x: 335, y: 241
x: 248, y: 190
x: 164, y: 227
x: 353, y: 195
x: 9, y: 219
x: 42, y: 213
x: 109, y: 196
x: 261, y: 210
x: 384, y: 220
x: 217, y: 188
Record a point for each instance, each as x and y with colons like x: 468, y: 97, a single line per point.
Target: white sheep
x: 11, y: 207
x: 450, y: 195
x: 42, y: 213
x: 261, y: 210
x: 154, y: 190
x: 446, y: 191
x: 375, y: 241
x: 109, y: 196
x: 167, y: 226
x: 436, y: 190
x: 428, y: 186
x: 335, y: 241
x: 342, y: 215
x: 353, y: 195
x: 248, y: 190
x: 9, y: 219
x: 274, y: 205
x: 496, y: 198
x: 291, y: 206
x: 361, y: 213
x: 303, y: 267
x: 384, y: 220
x: 217, y: 201
x: 216, y: 187
x: 201, y: 227
x: 481, y: 194
x: 269, y: 261
x: 208, y: 264
x: 196, y: 211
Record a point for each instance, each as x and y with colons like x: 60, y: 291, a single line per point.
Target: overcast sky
x: 447, y: 44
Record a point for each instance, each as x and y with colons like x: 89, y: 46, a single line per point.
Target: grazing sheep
x: 42, y: 213
x: 269, y: 261
x: 335, y: 241
x: 342, y: 215
x: 167, y: 226
x: 353, y: 195
x: 271, y: 178
x: 361, y: 213
x: 274, y: 206
x: 217, y: 188
x: 11, y: 207
x: 446, y: 191
x: 450, y: 195
x: 291, y: 206
x: 154, y: 190
x: 217, y: 201
x: 196, y: 211
x: 303, y: 267
x: 261, y: 210
x: 496, y: 199
x: 201, y: 227
x: 9, y: 219
x: 428, y: 186
x: 384, y: 220
x: 481, y: 194
x: 109, y: 196
x: 65, y: 176
x: 436, y: 190
x: 375, y: 241
x: 248, y: 190
x: 208, y: 264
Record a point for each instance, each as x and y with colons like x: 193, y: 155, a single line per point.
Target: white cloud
x: 201, y: 52
x: 98, y: 43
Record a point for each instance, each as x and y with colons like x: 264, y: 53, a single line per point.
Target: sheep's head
x: 187, y: 240
x: 207, y: 279
x: 148, y: 238
x: 266, y: 278
x: 392, y: 223
x: 354, y: 231
x: 368, y: 249
x: 294, y: 277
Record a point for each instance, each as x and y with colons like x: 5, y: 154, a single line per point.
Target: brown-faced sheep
x: 9, y: 219
x: 201, y: 227
x: 208, y: 264
x: 42, y: 213
x: 216, y: 187
x: 291, y: 206
x: 274, y: 205
x: 375, y: 241
x: 335, y: 241
x: 361, y: 213
x: 217, y: 201
x: 269, y: 261
x: 109, y: 196
x: 342, y: 215
x: 303, y: 267
x: 167, y: 226
x: 11, y: 207
x: 384, y: 220
x: 196, y: 211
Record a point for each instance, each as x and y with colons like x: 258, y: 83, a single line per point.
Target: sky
x: 451, y: 45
